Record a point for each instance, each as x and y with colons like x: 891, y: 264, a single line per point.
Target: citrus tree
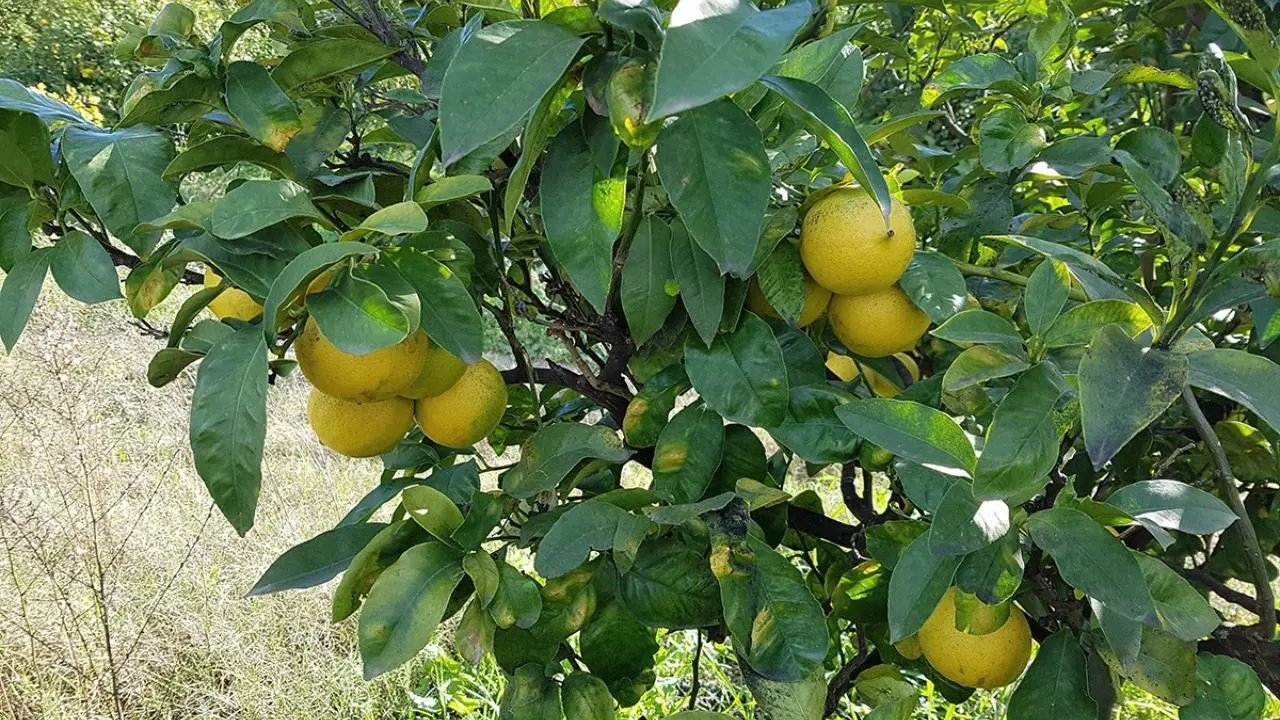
x: 1008, y: 271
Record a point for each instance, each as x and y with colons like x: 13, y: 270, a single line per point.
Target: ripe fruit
x: 359, y: 429
x: 232, y: 302
x: 379, y: 375
x: 845, y: 247
x: 992, y: 660
x: 466, y: 413
x: 846, y: 368
x: 909, y: 647
x: 816, y: 298
x: 878, y: 324
x: 439, y: 372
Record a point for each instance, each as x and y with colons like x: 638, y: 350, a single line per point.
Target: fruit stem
x: 1010, y: 277
x: 1266, y: 626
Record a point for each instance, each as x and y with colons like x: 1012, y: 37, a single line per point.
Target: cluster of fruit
x: 363, y: 405
x: 853, y: 263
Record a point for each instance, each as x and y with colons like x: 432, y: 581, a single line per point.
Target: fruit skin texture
x: 844, y: 245
x: 879, y: 324
x: 816, y: 298
x: 232, y: 302
x: 440, y: 371
x: 379, y: 375
x: 978, y: 661
x: 466, y: 413
x: 359, y: 429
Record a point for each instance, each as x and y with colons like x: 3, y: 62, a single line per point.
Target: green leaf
x: 582, y: 212
x: 257, y: 204
x: 403, y: 218
x: 1081, y: 323
x: 227, y: 151
x: 713, y: 165
x: 1226, y: 689
x: 979, y: 364
x: 167, y: 364
x: 963, y: 524
x: 229, y: 423
x: 1245, y: 378
x: 975, y: 72
x: 645, y: 275
x: 84, y: 270
x: 619, y: 650
x: 978, y: 326
x: 993, y: 573
x: 448, y: 314
x: 1183, y: 611
x: 742, y: 375
x: 788, y: 637
x: 1046, y: 294
x: 831, y: 121
x: 542, y: 123
x: 369, y: 563
x: 1093, y: 561
x: 1073, y: 156
x: 811, y: 429
x: 1165, y: 667
x: 405, y: 605
x: 260, y: 106
x: 1246, y: 19
x: 483, y: 571
x: 484, y: 513
x: 671, y: 586
x: 518, y: 602
x: 1174, y: 505
x: 687, y: 454
x: 325, y: 58
x: 681, y: 514
x: 587, y: 526
x: 14, y: 96
x: 1006, y: 141
x: 701, y: 285
x: 781, y: 279
x: 317, y: 560
x: 587, y: 697
x: 324, y: 129
x: 554, y: 451
x: 934, y: 285
x: 19, y: 293
x: 455, y: 187
x: 359, y: 316
x: 294, y: 278
x: 473, y: 637
x: 119, y: 173
x: 497, y: 77
x: 433, y: 510
x: 919, y: 580
x: 916, y: 432
x: 1123, y: 389
x: 715, y: 49
x: 1022, y: 440
x: 530, y: 695
x: 1056, y: 685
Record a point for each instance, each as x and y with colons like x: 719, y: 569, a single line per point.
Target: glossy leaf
x: 1093, y: 561
x: 687, y: 454
x: 1046, y: 294
x: 914, y: 431
x: 227, y: 151
x: 645, y: 275
x: 934, y: 285
x: 1239, y: 376
x: 317, y: 560
x: 554, y: 451
x: 1183, y: 611
x: 701, y: 285
x: 83, y: 269
x: 1226, y: 689
x: 1056, y: 685
x: 1174, y: 505
x: 19, y: 292
x: 448, y: 314
x: 1078, y: 325
x: 325, y: 58
x: 978, y: 364
x: 260, y: 106
x: 294, y: 278
x: 919, y: 580
x: 405, y: 605
x: 741, y: 375
x: 811, y: 429
x: 978, y: 326
x: 587, y: 526
x: 1022, y: 441
x: 359, y: 316
x: 671, y: 586
x: 963, y: 524
x: 119, y: 173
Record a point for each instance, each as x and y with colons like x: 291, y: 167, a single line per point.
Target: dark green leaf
x: 1183, y: 611
x: 916, y: 432
x: 645, y: 275
x: 497, y: 77
x: 260, y: 106
x: 19, y: 293
x: 405, y: 605
x: 359, y: 316
x: 963, y: 524
x: 788, y: 637
x: 993, y: 573
x: 449, y: 315
x: 934, y: 285
x: 582, y: 210
x: 229, y: 423
x: 975, y: 72
x: 257, y: 204
x: 1245, y: 378
x: 918, y: 582
x: 83, y: 269
x: 530, y: 695
x: 701, y: 285
x: 619, y: 650
x: 554, y: 451
x: 119, y: 173
x: 433, y: 510
x: 1123, y: 389
x: 1022, y: 440
x: 671, y: 586
x: 294, y: 278
x: 518, y: 602
x: 687, y: 454
x: 979, y: 364
x: 1056, y: 685
x: 377, y: 556
x: 317, y: 560
x: 587, y: 526
x: 227, y: 151
x: 1006, y: 141
x: 1173, y: 505
x: 812, y: 430
x: 713, y: 165
x: 978, y: 326
x: 1093, y: 561
x: 325, y: 58
x: 714, y: 49
x: 587, y: 697
x: 1226, y: 689
x: 742, y: 375
x: 1046, y: 294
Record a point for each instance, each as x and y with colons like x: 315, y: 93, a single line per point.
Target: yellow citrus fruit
x: 992, y: 660
x: 466, y: 413
x: 440, y: 371
x: 845, y: 247
x: 878, y: 324
x: 232, y: 302
x: 846, y: 368
x: 359, y: 429
x: 909, y: 647
x: 816, y: 298
x: 378, y: 375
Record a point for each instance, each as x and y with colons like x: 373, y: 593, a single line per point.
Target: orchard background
x: 605, y: 201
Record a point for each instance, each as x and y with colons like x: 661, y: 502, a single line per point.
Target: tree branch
x: 842, y: 682
x: 554, y: 374
x: 823, y: 527
x: 1266, y: 627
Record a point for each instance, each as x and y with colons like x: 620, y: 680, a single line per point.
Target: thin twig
x: 1266, y: 627
x: 1010, y: 277
x: 697, y: 661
